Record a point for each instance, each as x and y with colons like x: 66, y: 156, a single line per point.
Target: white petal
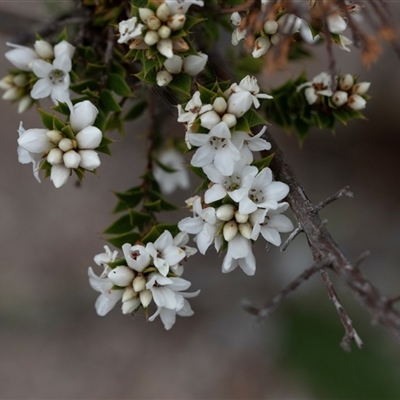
x: 59, y: 175
x: 41, y: 89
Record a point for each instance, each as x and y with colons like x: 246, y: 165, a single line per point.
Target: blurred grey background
x: 54, y: 346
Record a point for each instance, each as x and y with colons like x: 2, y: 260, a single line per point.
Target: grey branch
x: 342, y: 192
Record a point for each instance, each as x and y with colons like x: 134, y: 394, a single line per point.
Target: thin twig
x: 291, y: 237
x: 340, y: 193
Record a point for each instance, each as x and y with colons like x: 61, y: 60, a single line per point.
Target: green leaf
x: 121, y: 225
x: 242, y: 125
x: 152, y: 236
x: 254, y: 118
x: 149, y: 77
x: 58, y: 125
x: 118, y: 84
x: 264, y: 162
x: 206, y: 95
x: 181, y: 84
x: 61, y: 108
x: 62, y: 36
x: 115, y: 122
x: 173, y: 228
x: 117, y: 68
x: 83, y: 86
x: 109, y: 102
x: 302, y: 129
x: 93, y: 69
x: 164, y: 167
x: 103, y: 147
x: 129, y: 199
x: 135, y: 111
x: 120, y: 240
x: 67, y: 131
x: 191, y: 22
x: 47, y: 119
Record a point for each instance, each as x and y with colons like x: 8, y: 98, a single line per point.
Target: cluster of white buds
x: 348, y: 92
x: 63, y: 153
x: 46, y: 65
x: 241, y: 201
x: 147, y: 274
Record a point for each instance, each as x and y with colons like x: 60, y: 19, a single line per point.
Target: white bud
x: 59, y: 175
x: 275, y: 39
x: 71, y: 159
x: 220, y: 105
x: 7, y: 82
x: 153, y: 23
x: 129, y: 294
x: 145, y: 14
x: 65, y: 144
x: 164, y: 32
x: 24, y: 104
x: 173, y: 65
x: 177, y: 22
x: 145, y: 297
x: 209, y: 119
x: 11, y: 94
x: 336, y: 24
x: 130, y: 306
x: 179, y: 45
x: 346, y: 82
x: 356, y: 102
x: 229, y: 119
x: 121, y: 276
x: 245, y: 229
x: 261, y: 46
x: 241, y: 218
x: 83, y: 114
x: 164, y: 46
x: 239, y: 103
x: 270, y: 27
x: 163, y: 12
x: 339, y: 98
x: 55, y: 156
x: 43, y: 49
x: 89, y: 138
x: 225, y: 212
x: 193, y: 65
x: 151, y: 38
x: 236, y: 19
x: 55, y: 136
x: 163, y: 78
x: 20, y: 80
x: 89, y: 159
x: 230, y: 230
x: 361, y: 88
x: 139, y: 283
x: 64, y: 47
x: 311, y: 95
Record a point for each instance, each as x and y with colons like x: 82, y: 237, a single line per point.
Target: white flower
x: 249, y: 84
x: 261, y: 46
x: 320, y: 85
x: 236, y: 19
x: 21, y: 57
x: 306, y: 33
x: 103, y: 259
x: 136, y: 257
x: 239, y: 254
x: 336, y: 23
x: 181, y: 6
x: 54, y: 78
x: 83, y: 114
x: 64, y: 48
x: 344, y: 42
x: 238, y: 35
x: 169, y: 181
x: 269, y: 223
x: 202, y: 224
x: 129, y: 29
x: 163, y: 78
x: 215, y: 148
x: 164, y: 253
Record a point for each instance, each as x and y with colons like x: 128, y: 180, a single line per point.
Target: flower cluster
x: 41, y: 72
x: 348, y: 92
x: 242, y: 200
x: 61, y: 151
x: 145, y: 274
x: 162, y: 30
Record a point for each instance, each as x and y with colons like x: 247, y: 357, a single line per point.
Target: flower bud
x: 220, y: 105
x: 145, y: 14
x: 54, y: 136
x: 356, y: 102
x: 163, y: 12
x: 43, y: 49
x: 139, y: 283
x: 193, y: 65
x: 153, y: 23
x: 64, y: 47
x: 129, y: 294
x: 239, y: 103
x: 11, y: 94
x: 89, y: 159
x: 177, y: 22
x: 21, y: 57
x: 164, y: 46
x: 136, y: 257
x: 7, y: 82
x: 83, y: 114
x: 89, y: 138
x: 173, y: 65
x: 275, y: 39
x: 164, y: 32
x: 225, y: 212
x: 241, y: 218
x: 179, y: 45
x: 65, y: 144
x: 130, y: 306
x: 261, y: 46
x: 121, y: 276
x: 163, y: 78
x: 55, y: 156
x: 138, y: 44
x: 20, y: 80
x: 59, y: 175
x: 71, y: 159
x: 361, y: 88
x: 346, y: 82
x: 311, y: 95
x: 151, y: 38
x: 145, y: 297
x: 245, y: 230
x: 35, y: 141
x: 336, y: 23
x: 209, y: 119
x: 230, y: 230
x: 24, y: 104
x: 229, y: 119
x: 236, y: 19
x: 339, y: 98
x: 270, y: 27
